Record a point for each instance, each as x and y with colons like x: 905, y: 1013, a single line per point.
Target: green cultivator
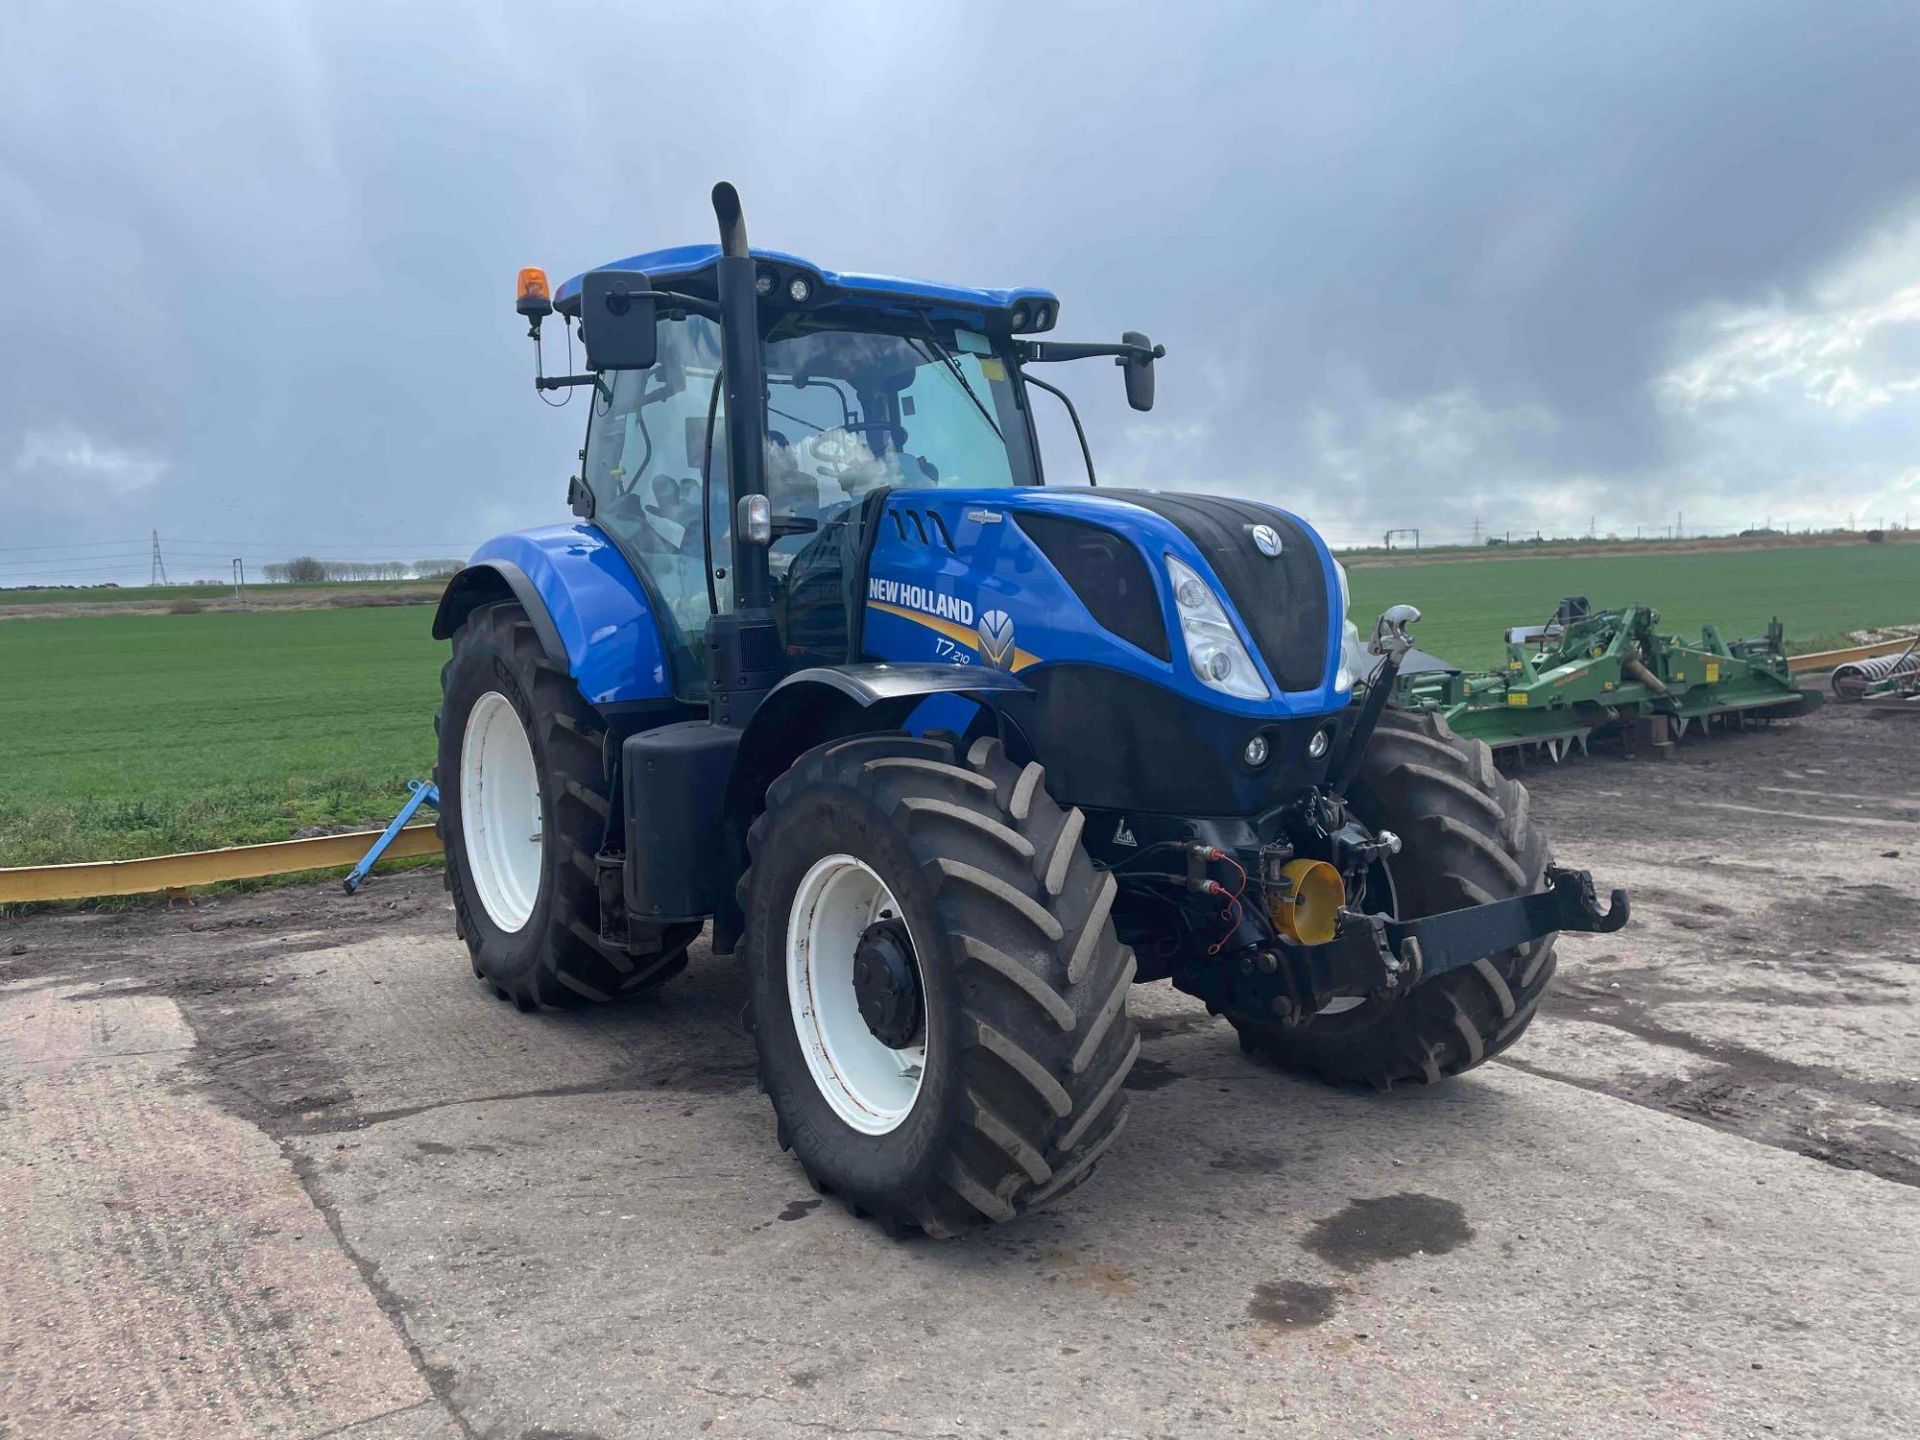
x: 1593, y: 671
x: 1880, y: 675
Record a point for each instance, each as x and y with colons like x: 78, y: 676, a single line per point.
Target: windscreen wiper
x: 953, y: 368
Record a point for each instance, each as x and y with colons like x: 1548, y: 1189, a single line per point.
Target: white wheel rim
x: 500, y: 811
x: 869, y: 1085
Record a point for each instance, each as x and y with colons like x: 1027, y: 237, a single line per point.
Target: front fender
x: 811, y: 707
x: 589, y: 610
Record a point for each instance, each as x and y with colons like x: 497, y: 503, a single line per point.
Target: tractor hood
x: 1074, y: 591
x: 1282, y: 598
x: 1040, y: 577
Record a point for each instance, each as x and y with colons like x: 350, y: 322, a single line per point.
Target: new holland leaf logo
x: 996, y: 638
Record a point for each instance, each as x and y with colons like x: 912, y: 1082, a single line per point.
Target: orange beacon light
x: 534, y: 301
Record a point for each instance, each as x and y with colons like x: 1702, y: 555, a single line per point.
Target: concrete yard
x: 278, y: 1165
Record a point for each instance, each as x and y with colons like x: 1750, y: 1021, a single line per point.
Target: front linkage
x: 1376, y: 957
x: 1281, y: 963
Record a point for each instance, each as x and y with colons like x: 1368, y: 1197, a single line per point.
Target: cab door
x: 645, y: 452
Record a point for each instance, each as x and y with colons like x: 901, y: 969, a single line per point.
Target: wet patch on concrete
x: 799, y: 1209
x: 1151, y: 1074
x: 1100, y: 1276
x: 1389, y: 1227
x: 1292, y: 1304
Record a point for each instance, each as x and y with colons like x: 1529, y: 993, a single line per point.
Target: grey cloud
x: 1413, y: 265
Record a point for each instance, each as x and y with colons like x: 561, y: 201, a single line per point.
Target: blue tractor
x: 949, y: 758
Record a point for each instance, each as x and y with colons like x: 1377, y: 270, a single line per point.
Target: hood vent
x: 1107, y: 572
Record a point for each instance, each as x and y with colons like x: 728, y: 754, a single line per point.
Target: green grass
x: 199, y: 590
x: 125, y: 735
x: 112, y: 594
x: 132, y: 735
x: 1817, y: 591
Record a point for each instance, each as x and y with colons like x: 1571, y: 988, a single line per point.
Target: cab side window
x: 645, y: 443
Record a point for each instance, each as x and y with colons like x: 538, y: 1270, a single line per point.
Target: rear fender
x: 589, y: 610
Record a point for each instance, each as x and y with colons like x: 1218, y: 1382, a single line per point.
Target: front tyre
x: 524, y: 799
x: 938, y: 999
x: 1468, y: 840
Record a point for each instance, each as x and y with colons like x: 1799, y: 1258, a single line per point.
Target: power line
x: 122, y: 568
x: 131, y: 557
x: 338, y: 551
x: 307, y: 547
x: 294, y: 546
x: 82, y: 545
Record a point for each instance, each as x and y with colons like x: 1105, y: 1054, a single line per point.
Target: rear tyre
x: 524, y: 799
x: 1468, y: 840
x: 1023, y: 1040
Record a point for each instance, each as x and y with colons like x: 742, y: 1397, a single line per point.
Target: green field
x: 212, y: 590
x: 112, y: 595
x: 1819, y: 592
x: 127, y: 735
x: 134, y: 735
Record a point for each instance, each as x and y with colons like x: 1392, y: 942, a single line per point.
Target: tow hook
x: 1374, y: 956
x: 1435, y: 944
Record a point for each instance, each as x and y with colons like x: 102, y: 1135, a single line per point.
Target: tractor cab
x: 864, y: 392
x: 869, y: 385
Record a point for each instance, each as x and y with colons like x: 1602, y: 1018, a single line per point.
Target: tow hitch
x: 1375, y: 955
x: 1439, y: 943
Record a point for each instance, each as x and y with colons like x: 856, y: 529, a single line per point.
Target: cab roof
x: 682, y: 263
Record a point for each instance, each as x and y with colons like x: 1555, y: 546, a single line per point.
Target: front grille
x: 1109, y: 575
x: 1282, y: 599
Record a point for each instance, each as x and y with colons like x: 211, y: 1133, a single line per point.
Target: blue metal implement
x: 424, y: 793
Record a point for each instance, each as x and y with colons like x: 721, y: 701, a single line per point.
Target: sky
x: 1606, y: 269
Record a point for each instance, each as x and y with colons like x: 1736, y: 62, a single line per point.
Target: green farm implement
x: 1880, y: 675
x: 1586, y: 672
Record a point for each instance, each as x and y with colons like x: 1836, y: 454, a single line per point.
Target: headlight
x: 1213, y: 649
x: 1349, y: 635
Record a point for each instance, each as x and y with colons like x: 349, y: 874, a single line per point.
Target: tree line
x: 306, y: 570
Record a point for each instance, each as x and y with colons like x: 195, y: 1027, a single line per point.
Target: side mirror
x: 1390, y: 631
x: 617, y: 320
x: 1139, y: 368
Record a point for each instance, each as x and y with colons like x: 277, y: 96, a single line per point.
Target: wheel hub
x: 886, y: 983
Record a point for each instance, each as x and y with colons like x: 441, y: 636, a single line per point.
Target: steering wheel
x: 840, y: 450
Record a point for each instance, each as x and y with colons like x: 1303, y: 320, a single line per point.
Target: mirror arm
x: 667, y: 300
x: 1048, y: 352
x: 672, y: 300
x: 562, y: 382
x: 1085, y: 452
